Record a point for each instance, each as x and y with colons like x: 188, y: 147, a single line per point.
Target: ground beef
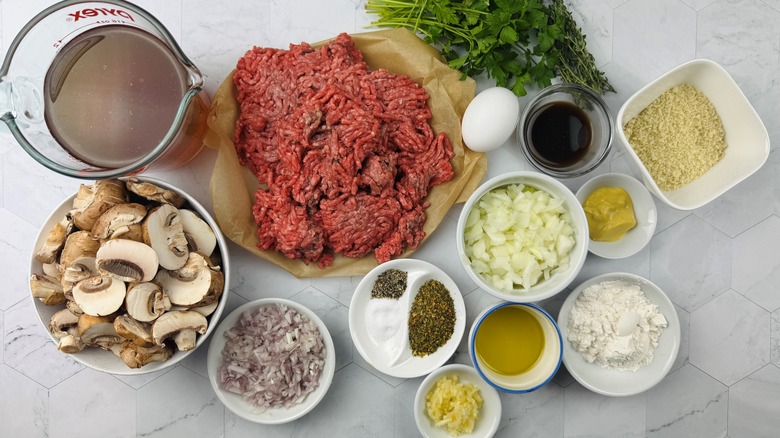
x: 345, y: 156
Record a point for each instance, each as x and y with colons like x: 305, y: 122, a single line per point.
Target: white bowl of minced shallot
x: 267, y: 349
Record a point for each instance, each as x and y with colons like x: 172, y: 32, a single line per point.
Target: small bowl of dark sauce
x: 566, y: 131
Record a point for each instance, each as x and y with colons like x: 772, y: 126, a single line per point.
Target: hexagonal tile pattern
x: 748, y: 51
x: 591, y: 414
x: 687, y: 402
x: 665, y: 26
x: 76, y: 406
x: 335, y: 316
x: 194, y: 411
x: 340, y: 289
x: 683, y: 353
x: 775, y: 338
x: 756, y: 263
x: 691, y: 262
x: 33, y: 202
x: 249, y: 278
x: 405, y: 424
x: 754, y: 403
x: 29, y: 350
x: 17, y: 243
x: 744, y: 205
x: 24, y: 405
x: 596, y: 21
x: 538, y: 413
x: 729, y: 337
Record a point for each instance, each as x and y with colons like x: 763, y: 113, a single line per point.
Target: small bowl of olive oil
x: 515, y: 347
x: 566, y: 131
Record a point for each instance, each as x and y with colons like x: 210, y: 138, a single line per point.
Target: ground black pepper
x: 390, y: 284
x: 431, y: 319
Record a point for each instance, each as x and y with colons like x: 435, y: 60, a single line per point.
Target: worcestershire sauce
x: 560, y: 134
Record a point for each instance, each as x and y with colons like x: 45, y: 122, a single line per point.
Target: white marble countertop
x: 719, y: 264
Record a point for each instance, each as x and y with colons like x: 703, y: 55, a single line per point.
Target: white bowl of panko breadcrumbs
x: 691, y: 134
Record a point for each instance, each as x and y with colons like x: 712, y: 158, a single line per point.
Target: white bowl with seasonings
x: 746, y: 138
x: 624, y: 361
x: 380, y: 327
x: 272, y: 415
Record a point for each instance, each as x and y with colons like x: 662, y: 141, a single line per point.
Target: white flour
x: 613, y: 324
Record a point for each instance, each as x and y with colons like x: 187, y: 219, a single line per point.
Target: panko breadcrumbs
x: 678, y: 137
x: 453, y: 405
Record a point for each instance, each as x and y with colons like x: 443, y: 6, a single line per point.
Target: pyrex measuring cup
x: 101, y: 89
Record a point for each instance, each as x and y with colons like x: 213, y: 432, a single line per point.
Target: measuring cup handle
x: 20, y: 97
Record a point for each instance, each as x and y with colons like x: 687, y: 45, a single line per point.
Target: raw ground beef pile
x: 347, y: 155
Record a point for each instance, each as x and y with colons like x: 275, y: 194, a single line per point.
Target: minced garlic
x: 453, y: 405
x: 678, y: 137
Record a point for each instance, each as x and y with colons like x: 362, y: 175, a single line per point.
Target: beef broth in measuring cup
x: 116, y: 94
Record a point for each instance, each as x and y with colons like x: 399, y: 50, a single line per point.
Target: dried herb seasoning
x: 390, y: 284
x: 431, y: 319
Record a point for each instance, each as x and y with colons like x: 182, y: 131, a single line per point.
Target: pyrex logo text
x: 94, y: 12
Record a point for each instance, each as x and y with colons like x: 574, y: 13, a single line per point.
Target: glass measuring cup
x: 101, y: 89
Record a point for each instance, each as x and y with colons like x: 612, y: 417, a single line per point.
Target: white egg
x: 490, y: 119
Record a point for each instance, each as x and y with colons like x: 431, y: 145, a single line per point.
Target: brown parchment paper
x: 397, y: 50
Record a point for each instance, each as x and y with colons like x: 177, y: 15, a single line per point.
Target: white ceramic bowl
x: 746, y: 137
x: 541, y: 372
x: 644, y: 210
x: 106, y: 361
x: 558, y: 281
x: 241, y: 407
x: 489, y: 414
x: 398, y: 361
x: 623, y: 383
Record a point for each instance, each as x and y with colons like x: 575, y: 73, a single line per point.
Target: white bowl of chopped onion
x: 281, y: 361
x: 522, y: 236
x: 746, y: 138
x: 455, y: 400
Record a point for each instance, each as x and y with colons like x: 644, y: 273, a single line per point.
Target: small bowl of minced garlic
x: 692, y: 134
x: 454, y: 401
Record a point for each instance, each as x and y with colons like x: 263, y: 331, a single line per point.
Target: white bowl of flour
x: 621, y: 334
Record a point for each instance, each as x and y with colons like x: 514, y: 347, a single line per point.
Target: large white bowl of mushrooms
x: 129, y: 275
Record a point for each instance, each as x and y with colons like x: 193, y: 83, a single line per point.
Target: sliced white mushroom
x: 117, y: 220
x: 206, y: 310
x: 135, y: 356
x: 154, y: 193
x: 133, y: 330
x: 70, y: 344
x: 78, y: 246
x: 61, y: 322
x: 47, y: 253
x: 197, y: 283
x: 99, y: 295
x: 47, y: 289
x: 200, y: 237
x: 92, y: 201
x: 132, y: 232
x: 73, y: 307
x: 52, y: 270
x: 164, y: 232
x: 180, y: 325
x: 146, y: 301
x: 98, y: 331
x: 127, y: 260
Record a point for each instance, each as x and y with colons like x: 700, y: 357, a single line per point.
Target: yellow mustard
x: 610, y: 214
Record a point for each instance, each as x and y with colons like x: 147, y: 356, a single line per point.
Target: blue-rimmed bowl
x: 544, y: 368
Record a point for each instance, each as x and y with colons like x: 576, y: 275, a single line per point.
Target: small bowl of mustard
x: 621, y: 215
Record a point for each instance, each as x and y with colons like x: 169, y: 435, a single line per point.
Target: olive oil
x: 510, y: 340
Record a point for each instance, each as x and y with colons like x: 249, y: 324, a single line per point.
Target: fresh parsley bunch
x: 516, y: 42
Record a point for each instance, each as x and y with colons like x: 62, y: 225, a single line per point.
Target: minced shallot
x: 273, y: 357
